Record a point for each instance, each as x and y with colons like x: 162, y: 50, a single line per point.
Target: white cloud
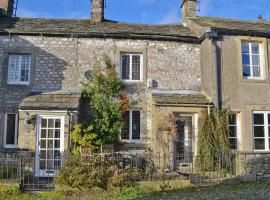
x: 171, y: 16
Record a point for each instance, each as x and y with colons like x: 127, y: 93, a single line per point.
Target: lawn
x: 164, y: 191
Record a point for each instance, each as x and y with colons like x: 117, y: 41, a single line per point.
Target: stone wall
x: 61, y: 64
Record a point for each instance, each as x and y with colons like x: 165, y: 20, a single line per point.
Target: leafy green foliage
x: 213, y: 138
x: 107, y: 104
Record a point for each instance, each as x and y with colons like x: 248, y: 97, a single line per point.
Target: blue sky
x: 143, y: 11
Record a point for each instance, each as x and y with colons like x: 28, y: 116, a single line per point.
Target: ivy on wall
x: 213, y: 138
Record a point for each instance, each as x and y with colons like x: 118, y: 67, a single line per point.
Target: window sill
x: 254, y: 80
x: 129, y: 82
x: 132, y: 141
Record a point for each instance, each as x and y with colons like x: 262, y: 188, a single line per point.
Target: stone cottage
x: 172, y: 73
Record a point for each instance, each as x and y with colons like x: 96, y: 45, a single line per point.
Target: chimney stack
x: 6, y: 8
x: 97, y: 11
x: 188, y: 9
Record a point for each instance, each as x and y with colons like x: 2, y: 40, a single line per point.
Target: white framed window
x: 234, y: 131
x: 19, y: 69
x: 11, y: 130
x: 261, y: 130
x: 131, y: 67
x: 253, y: 60
x: 132, y: 128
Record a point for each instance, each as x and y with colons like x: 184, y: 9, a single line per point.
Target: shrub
x: 95, y: 172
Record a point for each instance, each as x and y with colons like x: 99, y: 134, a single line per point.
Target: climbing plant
x: 107, y: 103
x: 213, y: 138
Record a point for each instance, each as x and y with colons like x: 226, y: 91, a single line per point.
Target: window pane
x: 57, y: 144
x: 245, y: 59
x: 57, y: 133
x: 259, y: 144
x: 44, y: 123
x: 125, y: 66
x: 50, y: 123
x: 258, y: 131
x: 50, y: 165
x: 245, y: 47
x: 43, y: 154
x: 256, y: 60
x: 256, y: 71
x: 57, y: 123
x: 50, y: 154
x: 43, y: 133
x: 11, y: 129
x: 258, y: 119
x: 50, y: 144
x: 246, y: 70
x: 125, y: 129
x: 56, y: 154
x: 233, y: 131
x: 232, y: 119
x: 43, y: 144
x: 136, y: 63
x: 50, y: 133
x: 13, y: 68
x: 255, y: 48
x: 233, y: 143
x: 136, y: 125
x: 42, y: 165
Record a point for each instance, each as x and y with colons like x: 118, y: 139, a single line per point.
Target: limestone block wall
x: 62, y: 63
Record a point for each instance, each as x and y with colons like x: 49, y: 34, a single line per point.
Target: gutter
x: 188, y: 39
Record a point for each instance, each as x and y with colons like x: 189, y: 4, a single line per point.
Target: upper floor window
x: 261, y: 128
x: 252, y: 60
x: 131, y: 67
x: 132, y: 129
x: 10, y: 130
x: 19, y: 69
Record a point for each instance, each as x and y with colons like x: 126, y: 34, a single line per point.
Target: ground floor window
x: 261, y: 129
x: 10, y: 130
x: 132, y: 129
x: 234, y: 125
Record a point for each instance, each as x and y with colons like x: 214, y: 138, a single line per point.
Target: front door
x: 183, y: 141
x: 50, y: 145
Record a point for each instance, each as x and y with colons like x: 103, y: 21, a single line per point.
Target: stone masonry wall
x: 61, y: 63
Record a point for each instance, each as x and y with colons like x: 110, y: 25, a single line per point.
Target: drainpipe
x: 213, y: 37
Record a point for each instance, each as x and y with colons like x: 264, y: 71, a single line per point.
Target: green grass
x: 151, y: 190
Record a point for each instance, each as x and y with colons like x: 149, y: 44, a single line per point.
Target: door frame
x: 38, y: 132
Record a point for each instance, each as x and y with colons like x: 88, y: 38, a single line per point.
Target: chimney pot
x: 6, y: 8
x: 189, y: 8
x: 97, y: 10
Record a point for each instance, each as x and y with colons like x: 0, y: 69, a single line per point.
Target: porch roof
x: 191, y: 98
x: 51, y: 101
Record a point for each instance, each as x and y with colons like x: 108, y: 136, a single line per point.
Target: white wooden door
x: 50, y: 145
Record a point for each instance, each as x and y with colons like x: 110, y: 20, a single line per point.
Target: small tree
x: 107, y: 104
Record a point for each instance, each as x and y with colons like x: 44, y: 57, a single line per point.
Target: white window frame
x: 130, y: 140
x: 130, y: 67
x: 262, y: 62
x: 266, y: 133
x: 238, y: 130
x: 18, y: 82
x: 15, y: 145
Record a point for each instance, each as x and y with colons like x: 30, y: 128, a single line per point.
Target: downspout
x: 213, y: 37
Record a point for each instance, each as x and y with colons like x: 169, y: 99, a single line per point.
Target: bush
x: 95, y: 172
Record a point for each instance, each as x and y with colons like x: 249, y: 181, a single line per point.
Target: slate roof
x: 233, y: 24
x: 86, y: 28
x: 180, y: 99
x: 51, y: 101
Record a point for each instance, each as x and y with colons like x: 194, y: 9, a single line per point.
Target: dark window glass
x: 232, y: 119
x: 258, y: 119
x: 136, y: 125
x: 246, y: 70
x: 233, y: 143
x: 245, y: 59
x: 125, y: 66
x: 125, y: 129
x: 258, y: 131
x: 136, y: 63
x: 245, y: 47
x: 259, y: 144
x: 233, y: 131
x: 11, y: 129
